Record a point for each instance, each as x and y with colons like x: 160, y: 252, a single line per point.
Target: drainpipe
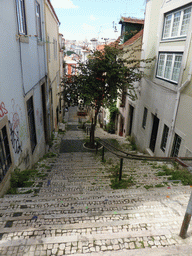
x: 20, y: 55
x: 180, y: 89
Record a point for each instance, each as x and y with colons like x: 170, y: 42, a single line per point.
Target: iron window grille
x: 176, y: 145
x: 144, y: 117
x: 31, y: 118
x: 176, y: 23
x: 5, y: 156
x: 21, y: 17
x: 164, y: 137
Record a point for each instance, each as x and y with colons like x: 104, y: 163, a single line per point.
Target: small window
x: 55, y: 48
x: 164, y: 137
x: 21, y: 18
x: 144, y: 118
x: 176, y: 23
x: 5, y: 156
x: 48, y: 46
x: 169, y: 65
x: 38, y: 21
x: 31, y: 119
x: 176, y: 146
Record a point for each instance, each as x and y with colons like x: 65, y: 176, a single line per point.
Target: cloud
x: 88, y: 27
x: 92, y: 18
x: 64, y: 4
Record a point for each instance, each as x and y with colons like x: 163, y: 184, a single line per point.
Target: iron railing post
x: 121, y: 167
x: 187, y: 219
x: 103, y: 152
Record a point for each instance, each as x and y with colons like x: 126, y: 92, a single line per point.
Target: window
x: 176, y: 23
x: 176, y: 146
x: 164, y: 137
x: 5, y: 156
x: 48, y: 46
x: 21, y: 18
x: 144, y: 118
x: 38, y: 20
x: 169, y: 65
x: 31, y: 119
x: 55, y: 48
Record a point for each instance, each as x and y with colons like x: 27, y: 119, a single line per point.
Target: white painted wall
x: 159, y: 96
x: 22, y: 66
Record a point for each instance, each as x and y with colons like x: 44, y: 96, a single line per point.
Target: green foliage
x: 148, y: 186
x: 110, y: 127
x: 133, y: 144
x: 103, y: 78
x: 113, y: 111
x: 123, y: 183
x: 178, y: 175
x: 48, y: 155
x: 159, y: 185
x: 21, y: 179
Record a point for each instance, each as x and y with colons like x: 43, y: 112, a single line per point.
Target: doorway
x: 121, y: 126
x: 43, y: 94
x: 154, y: 133
x: 131, y: 111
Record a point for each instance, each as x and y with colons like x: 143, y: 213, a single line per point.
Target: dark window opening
x: 154, y: 133
x: 144, y: 118
x: 5, y: 156
x: 164, y: 137
x: 176, y: 146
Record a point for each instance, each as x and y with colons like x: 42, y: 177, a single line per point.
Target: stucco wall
x: 22, y: 67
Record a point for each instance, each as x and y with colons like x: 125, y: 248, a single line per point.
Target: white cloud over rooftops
x: 64, y: 4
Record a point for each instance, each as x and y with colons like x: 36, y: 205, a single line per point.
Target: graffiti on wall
x: 14, y: 134
x: 14, y: 127
x: 3, y: 110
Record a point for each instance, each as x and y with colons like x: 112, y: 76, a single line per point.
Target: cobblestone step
x: 66, y: 245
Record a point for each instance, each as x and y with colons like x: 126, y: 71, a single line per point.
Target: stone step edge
x: 164, y: 251
x: 185, y: 190
x: 89, y: 210
x: 80, y: 201
x: 82, y: 225
x: 140, y: 210
x: 88, y: 237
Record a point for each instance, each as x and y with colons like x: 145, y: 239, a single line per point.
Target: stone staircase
x: 74, y: 211
x: 77, y: 212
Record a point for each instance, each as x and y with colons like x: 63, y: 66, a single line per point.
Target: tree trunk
x: 92, y: 134
x: 93, y: 125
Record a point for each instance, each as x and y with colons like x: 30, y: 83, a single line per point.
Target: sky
x: 87, y: 19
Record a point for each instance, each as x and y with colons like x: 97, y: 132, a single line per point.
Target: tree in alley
x: 105, y: 77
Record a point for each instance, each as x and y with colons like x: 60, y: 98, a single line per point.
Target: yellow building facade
x: 53, y: 62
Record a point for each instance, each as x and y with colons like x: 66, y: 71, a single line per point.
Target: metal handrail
x: 127, y: 155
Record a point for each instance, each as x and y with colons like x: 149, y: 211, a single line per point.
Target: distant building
x: 53, y: 62
x: 130, y: 41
